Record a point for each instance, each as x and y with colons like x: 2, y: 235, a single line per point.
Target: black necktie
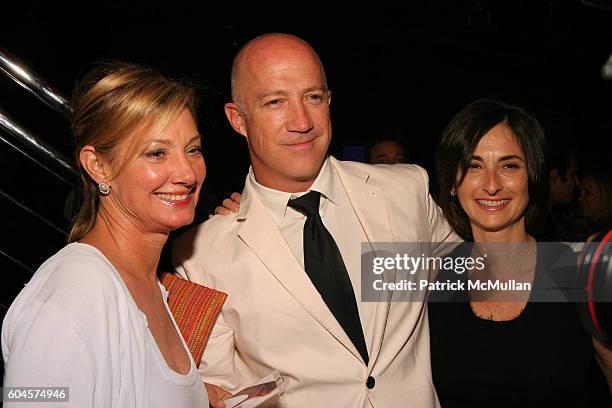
x: 324, y: 265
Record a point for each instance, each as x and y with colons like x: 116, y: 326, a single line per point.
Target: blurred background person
x: 564, y: 221
x: 387, y: 148
x: 596, y: 198
x: 563, y: 178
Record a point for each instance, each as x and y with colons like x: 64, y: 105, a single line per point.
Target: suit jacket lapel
x: 368, y: 201
x: 263, y: 237
x: 369, y: 205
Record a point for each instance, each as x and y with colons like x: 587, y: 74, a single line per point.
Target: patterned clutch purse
x: 195, y: 309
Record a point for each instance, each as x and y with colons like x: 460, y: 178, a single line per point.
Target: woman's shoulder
x: 77, y: 278
x: 77, y: 267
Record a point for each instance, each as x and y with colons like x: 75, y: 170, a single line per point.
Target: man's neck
x: 275, y: 181
x: 285, y: 186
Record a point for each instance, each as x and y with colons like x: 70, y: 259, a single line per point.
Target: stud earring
x: 104, y: 188
x: 453, y: 192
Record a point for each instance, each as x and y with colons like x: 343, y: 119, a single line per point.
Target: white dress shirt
x: 76, y: 325
x: 338, y: 217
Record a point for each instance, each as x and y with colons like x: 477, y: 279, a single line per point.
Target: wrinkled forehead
x: 296, y: 63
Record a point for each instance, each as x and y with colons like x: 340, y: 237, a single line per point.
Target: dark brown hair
x: 457, y: 145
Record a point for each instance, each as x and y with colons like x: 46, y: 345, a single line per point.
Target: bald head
x: 265, y: 50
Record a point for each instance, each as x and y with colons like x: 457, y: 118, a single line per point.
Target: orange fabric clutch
x: 195, y: 309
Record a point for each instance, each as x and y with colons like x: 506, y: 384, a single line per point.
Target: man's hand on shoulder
x: 229, y: 205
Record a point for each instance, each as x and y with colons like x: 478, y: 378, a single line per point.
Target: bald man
x: 276, y: 316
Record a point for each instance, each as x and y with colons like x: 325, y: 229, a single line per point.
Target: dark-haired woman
x: 501, y: 348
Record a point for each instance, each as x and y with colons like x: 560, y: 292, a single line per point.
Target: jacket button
x: 371, y: 382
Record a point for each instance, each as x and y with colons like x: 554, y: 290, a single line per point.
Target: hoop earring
x: 104, y: 188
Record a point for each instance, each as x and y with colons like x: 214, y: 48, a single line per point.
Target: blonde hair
x: 115, y: 103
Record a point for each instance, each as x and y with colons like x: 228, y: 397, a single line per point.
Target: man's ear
x: 236, y: 118
x: 94, y: 164
x: 329, y: 93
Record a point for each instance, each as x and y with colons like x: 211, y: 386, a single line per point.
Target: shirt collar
x: 327, y: 183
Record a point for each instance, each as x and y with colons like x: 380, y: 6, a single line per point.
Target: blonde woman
x: 94, y: 316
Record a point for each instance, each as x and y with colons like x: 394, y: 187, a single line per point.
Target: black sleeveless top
x: 541, y: 358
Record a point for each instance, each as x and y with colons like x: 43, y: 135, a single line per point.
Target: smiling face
x: 158, y: 191
x: 282, y: 108
x: 494, y: 193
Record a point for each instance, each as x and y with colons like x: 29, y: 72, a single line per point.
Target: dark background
x: 408, y: 68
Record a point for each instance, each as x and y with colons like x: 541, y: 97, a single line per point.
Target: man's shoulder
x: 214, y: 229
x: 215, y: 235
x: 384, y: 174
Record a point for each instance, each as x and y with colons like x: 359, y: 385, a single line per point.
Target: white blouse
x: 76, y: 325
x: 169, y: 388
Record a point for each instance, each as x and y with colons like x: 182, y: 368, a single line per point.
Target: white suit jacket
x: 274, y: 318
